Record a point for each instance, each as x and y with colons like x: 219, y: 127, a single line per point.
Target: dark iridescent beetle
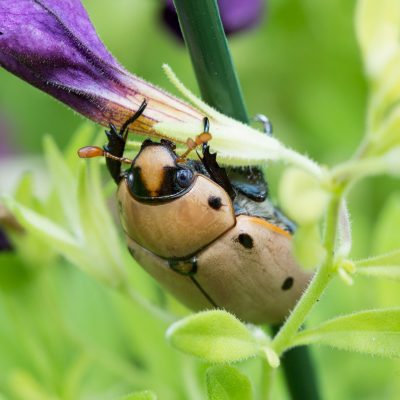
x: 210, y: 239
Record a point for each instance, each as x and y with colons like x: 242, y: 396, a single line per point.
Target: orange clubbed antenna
x: 90, y: 152
x: 94, y: 151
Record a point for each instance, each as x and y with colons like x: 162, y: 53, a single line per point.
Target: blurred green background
x: 302, y: 68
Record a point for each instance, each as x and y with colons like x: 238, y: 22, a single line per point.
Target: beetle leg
x: 201, y: 139
x: 266, y: 123
x: 116, y: 144
x: 113, y: 151
x: 185, y: 267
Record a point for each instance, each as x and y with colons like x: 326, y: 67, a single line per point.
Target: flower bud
x: 302, y: 197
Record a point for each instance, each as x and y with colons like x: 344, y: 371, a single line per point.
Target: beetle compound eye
x: 184, y: 177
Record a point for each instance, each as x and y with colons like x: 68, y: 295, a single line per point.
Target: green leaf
x: 64, y: 183
x: 83, y: 136
x: 375, y: 332
x: 387, y: 259
x: 228, y: 383
x: 38, y: 224
x: 378, y: 30
x: 25, y: 189
x: 387, y: 271
x: 145, y: 395
x: 214, y: 336
x: 384, y: 266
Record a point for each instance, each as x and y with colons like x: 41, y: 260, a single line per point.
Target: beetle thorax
x: 152, y: 163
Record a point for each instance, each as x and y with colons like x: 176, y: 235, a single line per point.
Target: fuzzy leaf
x: 387, y: 259
x: 214, y: 336
x: 375, y: 332
x: 387, y: 271
x: 228, y: 383
x: 383, y: 266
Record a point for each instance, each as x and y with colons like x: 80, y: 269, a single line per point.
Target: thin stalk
x: 268, y: 375
x: 318, y: 284
x: 219, y: 86
x: 212, y: 62
x: 298, y: 363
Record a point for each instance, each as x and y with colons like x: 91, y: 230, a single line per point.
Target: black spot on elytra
x: 215, y: 202
x: 288, y: 283
x: 246, y: 240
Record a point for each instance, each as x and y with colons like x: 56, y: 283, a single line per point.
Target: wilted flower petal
x: 53, y: 45
x: 236, y: 15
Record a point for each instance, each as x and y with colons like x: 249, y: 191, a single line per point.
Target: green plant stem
x: 205, y: 38
x: 268, y: 374
x: 297, y: 364
x: 219, y: 86
x: 318, y: 284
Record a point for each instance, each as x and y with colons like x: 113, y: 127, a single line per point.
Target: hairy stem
x: 205, y: 38
x: 318, y: 284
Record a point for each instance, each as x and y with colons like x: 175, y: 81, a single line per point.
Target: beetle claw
x: 266, y: 123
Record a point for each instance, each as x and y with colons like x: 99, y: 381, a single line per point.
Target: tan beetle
x: 210, y: 240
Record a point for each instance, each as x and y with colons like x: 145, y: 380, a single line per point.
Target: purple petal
x: 53, y: 45
x: 236, y: 15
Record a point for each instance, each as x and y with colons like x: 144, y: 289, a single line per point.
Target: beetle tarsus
x: 206, y: 125
x: 201, y: 139
x: 266, y: 123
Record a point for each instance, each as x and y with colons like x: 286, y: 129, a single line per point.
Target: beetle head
x: 155, y: 174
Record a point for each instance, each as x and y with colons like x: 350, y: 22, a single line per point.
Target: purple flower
x: 53, y: 45
x: 236, y: 15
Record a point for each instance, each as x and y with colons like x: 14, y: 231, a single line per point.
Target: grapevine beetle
x: 212, y: 241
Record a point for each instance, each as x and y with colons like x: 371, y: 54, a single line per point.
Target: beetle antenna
x: 94, y: 151
x: 124, y: 128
